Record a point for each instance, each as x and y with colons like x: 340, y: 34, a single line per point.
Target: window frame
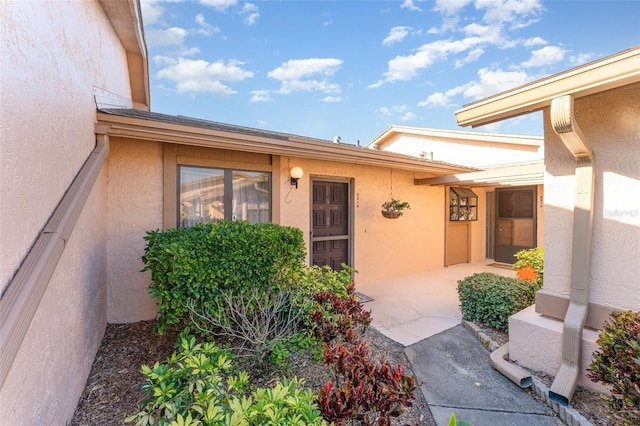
x: 217, y: 159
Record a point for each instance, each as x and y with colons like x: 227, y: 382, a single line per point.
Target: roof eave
x: 608, y: 73
x: 159, y: 131
x: 126, y: 19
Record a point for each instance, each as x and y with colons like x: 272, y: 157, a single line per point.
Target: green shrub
x: 534, y: 260
x: 490, y: 299
x: 194, y: 388
x: 194, y: 265
x: 617, y: 363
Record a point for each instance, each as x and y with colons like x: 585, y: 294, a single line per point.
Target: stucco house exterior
x: 87, y: 170
x: 591, y: 209
x: 509, y: 186
x: 58, y: 58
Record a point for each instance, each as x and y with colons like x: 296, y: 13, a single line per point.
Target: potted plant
x: 393, y: 208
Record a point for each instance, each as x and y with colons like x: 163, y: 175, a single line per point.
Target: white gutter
x: 565, y: 126
x: 20, y: 299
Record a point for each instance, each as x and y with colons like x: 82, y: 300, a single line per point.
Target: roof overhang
x: 126, y: 19
x: 608, y: 73
x: 510, y: 175
x: 395, y: 132
x: 159, y: 130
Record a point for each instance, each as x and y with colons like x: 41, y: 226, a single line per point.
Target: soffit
x: 511, y: 175
x: 136, y: 124
x: 605, y: 74
x: 395, y: 133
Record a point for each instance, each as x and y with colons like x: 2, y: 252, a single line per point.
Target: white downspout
x: 565, y: 126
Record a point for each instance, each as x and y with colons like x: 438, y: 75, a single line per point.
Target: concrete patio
x: 413, y: 307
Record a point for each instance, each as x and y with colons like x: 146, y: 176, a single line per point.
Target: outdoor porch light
x: 296, y: 173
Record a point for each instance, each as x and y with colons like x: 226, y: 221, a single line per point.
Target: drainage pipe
x: 20, y: 299
x: 565, y: 126
x: 517, y: 375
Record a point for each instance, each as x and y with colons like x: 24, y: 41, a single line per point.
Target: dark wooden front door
x: 515, y: 222
x: 330, y: 224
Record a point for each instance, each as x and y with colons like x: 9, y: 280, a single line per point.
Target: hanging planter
x: 393, y: 208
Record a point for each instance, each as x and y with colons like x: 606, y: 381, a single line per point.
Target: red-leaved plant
x: 366, y: 391
x: 339, y: 317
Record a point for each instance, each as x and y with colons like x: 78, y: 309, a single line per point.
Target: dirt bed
x: 113, y: 391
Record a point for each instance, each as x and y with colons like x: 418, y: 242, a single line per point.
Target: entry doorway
x: 330, y: 224
x: 516, y: 222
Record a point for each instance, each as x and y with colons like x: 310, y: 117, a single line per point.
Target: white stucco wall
x: 468, y: 153
x: 135, y: 206
x: 611, y: 122
x: 49, y: 372
x: 53, y: 55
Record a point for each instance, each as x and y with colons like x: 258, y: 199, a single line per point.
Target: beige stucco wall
x: 53, y: 55
x: 611, y: 122
x: 383, y: 247
x: 134, y: 206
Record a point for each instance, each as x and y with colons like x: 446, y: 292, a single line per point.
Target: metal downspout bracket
x: 565, y: 126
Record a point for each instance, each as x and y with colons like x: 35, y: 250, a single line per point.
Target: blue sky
x: 353, y: 68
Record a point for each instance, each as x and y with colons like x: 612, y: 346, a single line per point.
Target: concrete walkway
x: 413, y: 307
x: 421, y: 312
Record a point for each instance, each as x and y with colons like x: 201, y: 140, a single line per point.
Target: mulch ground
x: 113, y: 390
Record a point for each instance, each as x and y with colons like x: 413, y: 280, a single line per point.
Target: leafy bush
x: 530, y: 265
x: 617, y: 363
x: 490, y: 299
x: 194, y: 265
x: 193, y: 388
x: 366, y: 390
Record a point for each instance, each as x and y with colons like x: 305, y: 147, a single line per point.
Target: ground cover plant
x: 490, y: 299
x: 617, y: 363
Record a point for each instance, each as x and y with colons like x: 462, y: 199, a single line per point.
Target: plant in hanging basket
x: 393, y: 208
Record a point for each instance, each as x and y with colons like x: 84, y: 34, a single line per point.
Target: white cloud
x: 403, y: 68
x: 205, y: 28
x: 298, y: 68
x: 545, y: 56
x: 190, y: 75
x: 534, y: 41
x: 408, y: 4
x: 492, y: 82
x: 509, y: 11
x: 408, y: 116
x: 151, y: 11
x: 251, y: 13
x: 580, y: 58
x: 472, y: 56
x: 220, y: 5
x: 173, y: 36
x: 384, y: 111
x: 437, y: 99
x: 332, y: 99
x: 396, y: 34
x: 295, y: 75
x: 260, y: 96
x: 450, y: 7
x: 290, y: 86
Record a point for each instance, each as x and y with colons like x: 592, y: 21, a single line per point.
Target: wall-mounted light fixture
x: 296, y: 173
